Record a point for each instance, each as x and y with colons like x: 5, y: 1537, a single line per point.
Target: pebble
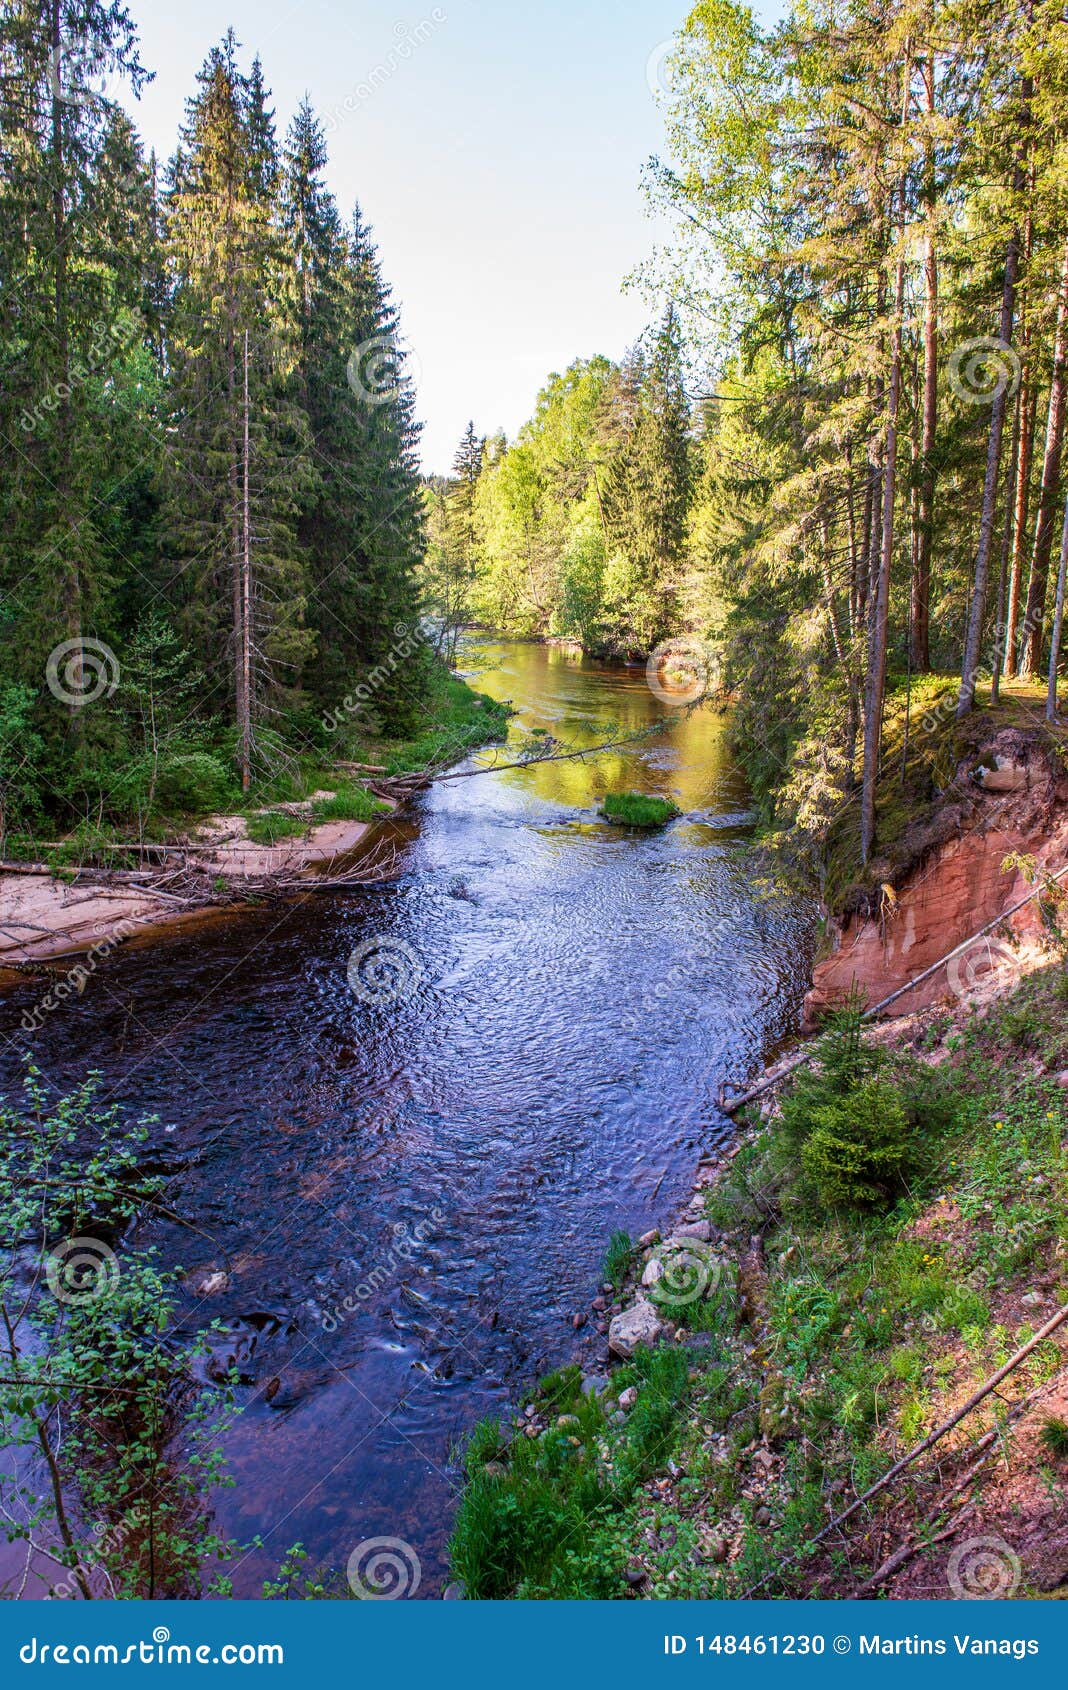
x: 648, y: 1239
x: 629, y: 1397
x: 763, y: 1516
x: 454, y: 1592
x: 578, y: 1320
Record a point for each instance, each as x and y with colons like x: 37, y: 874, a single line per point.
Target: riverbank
x: 886, y: 1234
x: 115, y: 891
x: 794, y: 1349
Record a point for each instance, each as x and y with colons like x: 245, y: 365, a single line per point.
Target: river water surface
x: 451, y: 1160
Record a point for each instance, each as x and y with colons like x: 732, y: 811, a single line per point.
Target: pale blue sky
x: 497, y: 150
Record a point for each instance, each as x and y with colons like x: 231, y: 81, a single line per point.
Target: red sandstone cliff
x: 1006, y: 799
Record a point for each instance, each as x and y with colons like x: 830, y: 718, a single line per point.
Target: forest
x: 298, y: 1201
x: 209, y: 485
x: 836, y: 460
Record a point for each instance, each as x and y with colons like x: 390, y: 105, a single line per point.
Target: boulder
x: 640, y: 1324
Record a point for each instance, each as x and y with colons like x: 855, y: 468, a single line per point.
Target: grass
x: 541, y: 1516
x: 636, y: 809
x: 460, y: 720
x: 874, y: 1322
x: 1055, y: 1437
x: 349, y: 804
x: 267, y: 827
x: 617, y: 1259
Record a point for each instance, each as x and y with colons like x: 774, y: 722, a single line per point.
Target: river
x: 449, y: 1155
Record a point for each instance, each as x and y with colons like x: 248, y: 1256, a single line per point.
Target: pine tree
x: 239, y: 464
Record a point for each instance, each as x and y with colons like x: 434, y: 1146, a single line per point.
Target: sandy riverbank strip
x: 43, y: 917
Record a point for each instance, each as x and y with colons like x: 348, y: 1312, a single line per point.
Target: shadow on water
x: 401, y: 1204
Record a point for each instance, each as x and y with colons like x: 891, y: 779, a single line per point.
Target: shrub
x: 859, y: 1147
x: 192, y: 783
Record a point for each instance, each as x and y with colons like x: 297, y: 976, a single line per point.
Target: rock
x: 636, y: 1576
x: 719, y: 1551
x: 454, y: 1592
x: 648, y: 1239
x: 629, y: 1397
x: 653, y: 1271
x: 1031, y: 1299
x: 599, y: 1304
x: 1062, y: 1079
x: 640, y: 1324
x: 593, y: 1384
x: 494, y: 1470
x: 568, y: 1420
x: 1007, y: 777
x: 578, y: 1320
x: 618, y: 1418
x: 602, y: 1327
x: 692, y: 1229
x: 762, y: 1517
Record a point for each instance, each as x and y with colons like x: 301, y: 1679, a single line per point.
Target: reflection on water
x: 399, y: 1206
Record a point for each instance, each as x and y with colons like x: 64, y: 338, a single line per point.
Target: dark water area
x: 437, y: 1097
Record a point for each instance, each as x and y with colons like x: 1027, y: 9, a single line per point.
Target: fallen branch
x: 932, y: 1438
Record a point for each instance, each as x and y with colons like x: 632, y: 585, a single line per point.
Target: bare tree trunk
x: 1028, y: 408
x: 919, y: 634
x: 875, y: 680
x: 1006, y: 546
x: 974, y: 638
x: 1047, y: 498
x: 246, y: 599
x: 1058, y: 622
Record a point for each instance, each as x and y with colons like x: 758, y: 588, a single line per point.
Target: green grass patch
x: 349, y: 804
x: 543, y: 1517
x: 271, y: 826
x: 637, y: 809
x: 617, y: 1259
